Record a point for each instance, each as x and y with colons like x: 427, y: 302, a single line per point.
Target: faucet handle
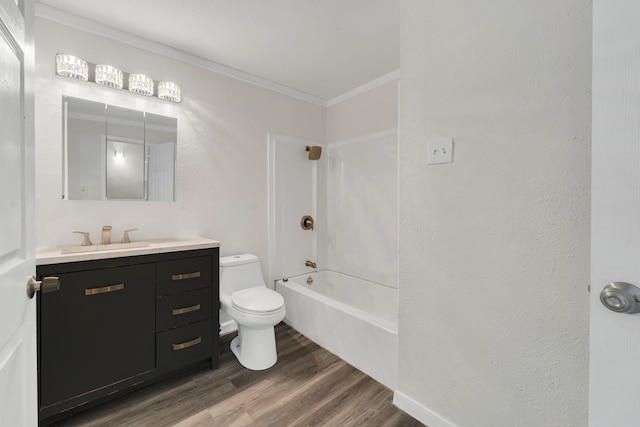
x: 85, y: 241
x: 125, y: 238
x: 106, y: 235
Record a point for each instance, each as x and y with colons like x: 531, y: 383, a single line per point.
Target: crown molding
x: 83, y: 24
x: 393, y: 75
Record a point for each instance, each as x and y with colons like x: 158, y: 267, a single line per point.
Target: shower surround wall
x: 360, y: 197
x: 350, y: 305
x: 293, y: 189
x: 352, y: 192
x: 361, y: 208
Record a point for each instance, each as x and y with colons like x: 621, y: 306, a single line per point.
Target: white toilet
x: 255, y: 308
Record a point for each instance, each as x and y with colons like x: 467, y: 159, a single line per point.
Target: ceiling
x: 323, y: 48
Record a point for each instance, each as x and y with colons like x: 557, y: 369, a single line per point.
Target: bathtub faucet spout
x: 310, y: 264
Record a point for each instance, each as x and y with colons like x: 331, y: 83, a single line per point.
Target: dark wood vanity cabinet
x: 118, y: 324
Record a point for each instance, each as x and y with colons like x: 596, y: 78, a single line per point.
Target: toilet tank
x: 240, y: 272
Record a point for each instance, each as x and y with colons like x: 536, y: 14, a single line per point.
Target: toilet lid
x: 257, y: 300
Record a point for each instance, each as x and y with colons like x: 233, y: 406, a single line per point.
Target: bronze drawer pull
x: 104, y: 289
x: 187, y: 344
x: 185, y: 276
x: 177, y: 311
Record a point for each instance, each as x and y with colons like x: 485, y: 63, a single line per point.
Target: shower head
x: 315, y: 152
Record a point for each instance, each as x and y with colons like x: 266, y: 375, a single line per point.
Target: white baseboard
x: 419, y: 412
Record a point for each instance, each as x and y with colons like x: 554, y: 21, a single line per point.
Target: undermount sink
x: 101, y: 248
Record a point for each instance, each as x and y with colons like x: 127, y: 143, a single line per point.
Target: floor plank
x: 308, y: 386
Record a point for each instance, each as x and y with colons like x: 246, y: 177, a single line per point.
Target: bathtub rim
x: 385, y: 324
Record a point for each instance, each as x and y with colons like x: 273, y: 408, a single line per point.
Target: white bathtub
x: 353, y: 318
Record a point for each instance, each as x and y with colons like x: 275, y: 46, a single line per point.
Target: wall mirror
x: 114, y: 153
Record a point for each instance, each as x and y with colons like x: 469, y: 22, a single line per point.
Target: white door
x: 614, y: 389
x: 18, y: 380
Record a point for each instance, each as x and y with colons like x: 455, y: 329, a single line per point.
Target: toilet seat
x: 258, y: 301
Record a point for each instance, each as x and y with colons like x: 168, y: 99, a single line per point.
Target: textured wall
x: 494, y: 247
x: 222, y: 147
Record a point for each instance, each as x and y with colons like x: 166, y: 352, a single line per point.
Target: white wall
x: 223, y: 125
x: 494, y: 247
x: 374, y: 110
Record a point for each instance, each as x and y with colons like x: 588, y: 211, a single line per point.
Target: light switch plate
x: 439, y: 150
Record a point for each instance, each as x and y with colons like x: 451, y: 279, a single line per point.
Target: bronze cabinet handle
x: 104, y: 289
x: 187, y: 344
x: 185, y: 276
x: 177, y: 311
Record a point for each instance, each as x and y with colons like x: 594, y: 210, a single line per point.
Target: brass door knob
x: 46, y: 285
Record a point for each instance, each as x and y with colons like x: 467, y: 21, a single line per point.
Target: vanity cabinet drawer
x: 185, y: 344
x: 182, y: 275
x: 183, y: 308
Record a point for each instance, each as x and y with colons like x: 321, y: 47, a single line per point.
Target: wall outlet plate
x: 439, y: 150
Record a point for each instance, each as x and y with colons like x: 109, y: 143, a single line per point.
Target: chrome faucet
x: 106, y: 235
x: 310, y: 264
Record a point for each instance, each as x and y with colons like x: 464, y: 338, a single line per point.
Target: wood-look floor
x: 308, y: 386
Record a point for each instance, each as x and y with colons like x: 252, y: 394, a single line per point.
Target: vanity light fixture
x: 169, y: 91
x: 108, y: 75
x: 141, y: 84
x: 119, y: 154
x: 72, y: 67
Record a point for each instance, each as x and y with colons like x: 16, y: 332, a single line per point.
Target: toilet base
x: 255, y: 349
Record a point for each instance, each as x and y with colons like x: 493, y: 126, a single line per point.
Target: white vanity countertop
x: 53, y: 255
